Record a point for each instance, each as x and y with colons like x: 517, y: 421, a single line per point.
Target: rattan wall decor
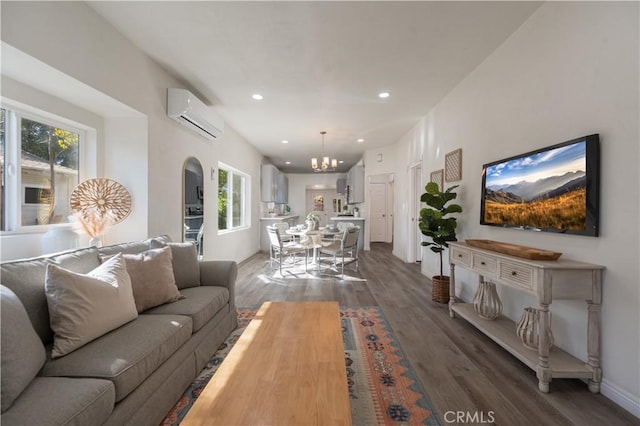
x: 437, y: 178
x: 101, y: 196
x: 453, y: 165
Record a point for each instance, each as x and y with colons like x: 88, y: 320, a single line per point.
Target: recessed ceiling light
x: 384, y: 95
x: 360, y: 140
x: 341, y: 161
x: 257, y: 96
x: 285, y: 141
x: 287, y: 162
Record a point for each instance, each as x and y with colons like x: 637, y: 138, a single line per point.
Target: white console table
x: 547, y: 280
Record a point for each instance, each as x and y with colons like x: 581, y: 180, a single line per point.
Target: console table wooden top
x: 287, y: 368
x: 541, y: 264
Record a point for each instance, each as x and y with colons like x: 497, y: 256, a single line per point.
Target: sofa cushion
x: 84, y: 307
x: 125, y: 248
x: 26, y: 279
x: 22, y: 350
x: 186, y: 269
x: 127, y: 355
x: 62, y: 401
x: 200, y: 303
x: 133, y: 247
x: 152, y: 278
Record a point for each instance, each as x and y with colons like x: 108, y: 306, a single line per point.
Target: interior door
x: 378, y: 215
x: 414, y: 247
x: 419, y: 189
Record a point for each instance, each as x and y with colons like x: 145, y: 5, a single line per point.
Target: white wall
x: 94, y: 54
x: 568, y: 71
x: 298, y: 184
x: 239, y: 245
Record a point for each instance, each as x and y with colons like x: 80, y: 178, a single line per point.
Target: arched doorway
x: 193, y: 202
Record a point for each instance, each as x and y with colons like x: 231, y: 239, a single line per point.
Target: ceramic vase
x: 486, y: 302
x: 528, y: 329
x: 95, y: 242
x: 58, y: 239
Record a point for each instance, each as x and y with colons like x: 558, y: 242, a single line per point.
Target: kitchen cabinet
x: 282, y: 189
x: 274, y: 185
x: 341, y: 186
x: 355, y: 185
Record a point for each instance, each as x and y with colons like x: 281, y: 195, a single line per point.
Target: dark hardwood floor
x: 463, y: 372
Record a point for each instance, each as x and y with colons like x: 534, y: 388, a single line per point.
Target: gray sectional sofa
x: 131, y: 375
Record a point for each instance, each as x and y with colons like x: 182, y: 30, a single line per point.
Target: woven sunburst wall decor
x: 105, y: 196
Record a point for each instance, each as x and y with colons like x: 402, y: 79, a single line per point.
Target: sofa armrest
x: 221, y: 273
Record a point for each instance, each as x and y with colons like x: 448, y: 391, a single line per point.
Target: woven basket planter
x: 440, y: 289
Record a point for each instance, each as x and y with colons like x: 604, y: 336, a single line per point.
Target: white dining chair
x: 346, y: 246
x: 342, y: 227
x: 282, y: 229
x: 279, y: 249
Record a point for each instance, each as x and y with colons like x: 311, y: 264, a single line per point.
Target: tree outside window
x: 232, y: 202
x: 223, y: 196
x: 48, y: 165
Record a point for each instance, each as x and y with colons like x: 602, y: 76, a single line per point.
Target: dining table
x: 312, y: 239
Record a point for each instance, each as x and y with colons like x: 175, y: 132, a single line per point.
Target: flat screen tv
x: 554, y: 189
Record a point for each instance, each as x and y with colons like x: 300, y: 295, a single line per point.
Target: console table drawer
x: 518, y: 275
x: 485, y: 264
x: 461, y: 256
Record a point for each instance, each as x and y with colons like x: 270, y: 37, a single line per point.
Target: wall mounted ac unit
x: 185, y: 108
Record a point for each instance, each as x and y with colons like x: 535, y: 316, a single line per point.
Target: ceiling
x: 319, y: 65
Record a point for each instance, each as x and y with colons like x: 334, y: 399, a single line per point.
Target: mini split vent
x: 191, y: 112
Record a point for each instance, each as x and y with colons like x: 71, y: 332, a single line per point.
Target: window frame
x: 14, y: 188
x: 246, y: 198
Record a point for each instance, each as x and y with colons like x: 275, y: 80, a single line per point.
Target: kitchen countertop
x: 347, y: 218
x: 289, y: 216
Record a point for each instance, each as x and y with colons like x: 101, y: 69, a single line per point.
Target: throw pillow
x: 22, y: 350
x: 186, y: 268
x: 83, y: 307
x: 152, y: 278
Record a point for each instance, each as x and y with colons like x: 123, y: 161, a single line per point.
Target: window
x: 232, y: 198
x: 39, y: 162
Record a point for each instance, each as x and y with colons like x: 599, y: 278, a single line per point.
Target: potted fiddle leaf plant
x: 439, y: 226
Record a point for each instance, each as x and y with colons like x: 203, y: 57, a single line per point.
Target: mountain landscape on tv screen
x: 556, y: 202
x: 541, y: 189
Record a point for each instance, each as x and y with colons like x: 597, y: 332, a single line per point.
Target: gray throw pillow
x: 22, y: 351
x: 152, y: 278
x: 83, y: 307
x: 186, y: 268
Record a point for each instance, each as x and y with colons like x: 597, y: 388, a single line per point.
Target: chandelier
x: 326, y: 166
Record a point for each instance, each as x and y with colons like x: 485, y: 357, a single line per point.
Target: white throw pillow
x: 83, y: 307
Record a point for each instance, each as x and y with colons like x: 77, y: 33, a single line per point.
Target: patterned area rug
x: 383, y: 387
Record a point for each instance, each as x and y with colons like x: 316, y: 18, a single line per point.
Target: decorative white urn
x: 528, y: 329
x: 486, y: 302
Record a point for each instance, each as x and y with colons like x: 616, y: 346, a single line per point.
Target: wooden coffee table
x: 287, y: 368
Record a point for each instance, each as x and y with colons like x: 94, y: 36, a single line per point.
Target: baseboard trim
x: 621, y: 397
